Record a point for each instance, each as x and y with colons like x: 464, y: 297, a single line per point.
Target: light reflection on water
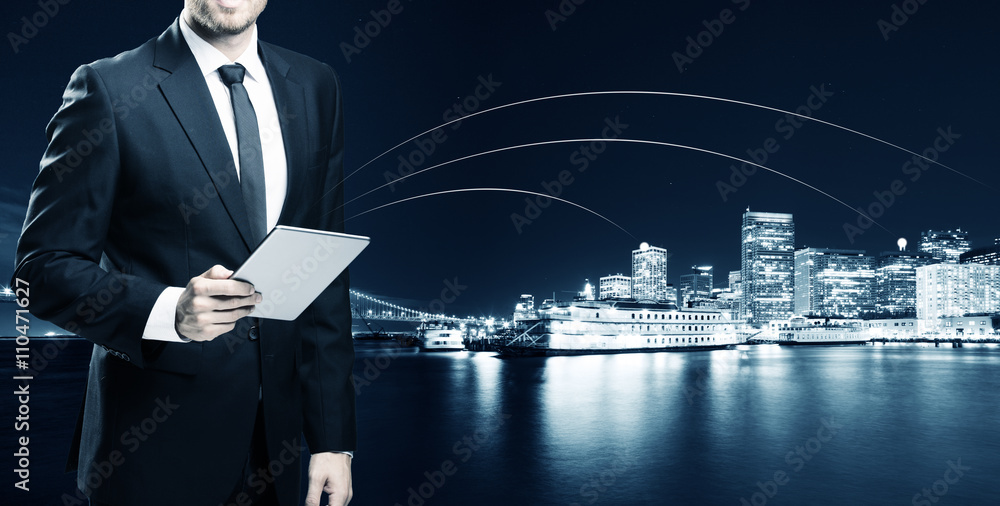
x: 683, y: 428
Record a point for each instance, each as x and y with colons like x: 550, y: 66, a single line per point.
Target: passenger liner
x: 802, y: 331
x: 615, y: 326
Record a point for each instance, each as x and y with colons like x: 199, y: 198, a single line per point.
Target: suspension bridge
x: 368, y: 307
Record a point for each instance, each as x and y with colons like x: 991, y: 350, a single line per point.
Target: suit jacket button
x: 254, y: 333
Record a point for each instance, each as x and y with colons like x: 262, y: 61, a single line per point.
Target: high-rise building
x: 767, y: 266
x: 833, y: 282
x: 945, y: 245
x: 990, y: 255
x: 616, y: 286
x: 896, y: 281
x: 957, y: 290
x: 698, y: 284
x: 649, y: 273
x: 735, y: 297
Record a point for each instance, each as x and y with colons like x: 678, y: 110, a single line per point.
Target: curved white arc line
x: 635, y: 141
x: 510, y: 190
x: 671, y: 94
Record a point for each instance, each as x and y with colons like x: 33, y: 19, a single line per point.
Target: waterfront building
x: 945, y: 290
x: 767, y: 266
x: 649, y: 273
x: 615, y: 286
x: 968, y: 327
x: 698, y: 284
x: 945, y: 245
x: 894, y: 328
x: 833, y: 282
x: 896, y: 281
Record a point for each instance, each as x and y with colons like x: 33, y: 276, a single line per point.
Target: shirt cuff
x: 160, y: 325
x: 349, y: 453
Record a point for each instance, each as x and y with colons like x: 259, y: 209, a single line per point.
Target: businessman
x: 166, y: 166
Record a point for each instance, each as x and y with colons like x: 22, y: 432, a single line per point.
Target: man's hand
x: 212, y: 303
x: 331, y: 473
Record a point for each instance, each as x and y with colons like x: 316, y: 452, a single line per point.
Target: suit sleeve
x: 327, y: 344
x: 65, y: 231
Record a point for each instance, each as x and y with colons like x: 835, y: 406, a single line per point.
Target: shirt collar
x: 210, y: 59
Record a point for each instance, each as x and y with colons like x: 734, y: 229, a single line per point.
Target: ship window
x: 647, y: 340
x: 633, y: 316
x: 597, y: 315
x: 647, y: 328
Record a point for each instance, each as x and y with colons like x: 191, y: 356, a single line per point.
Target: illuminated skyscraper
x: 990, y: 255
x: 833, y: 282
x: 649, y: 273
x: 957, y: 290
x: 616, y: 286
x: 945, y: 245
x: 698, y: 284
x: 896, y: 281
x: 767, y: 266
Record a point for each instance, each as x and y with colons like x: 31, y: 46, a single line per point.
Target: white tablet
x: 292, y: 266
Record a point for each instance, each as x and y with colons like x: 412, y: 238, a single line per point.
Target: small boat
x: 435, y: 336
x: 800, y: 330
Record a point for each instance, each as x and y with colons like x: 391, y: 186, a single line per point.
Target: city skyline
x: 414, y: 76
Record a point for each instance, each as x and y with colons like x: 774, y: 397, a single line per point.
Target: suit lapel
x: 289, y: 100
x: 188, y: 96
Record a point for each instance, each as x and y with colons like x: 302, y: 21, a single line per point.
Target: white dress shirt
x: 160, y: 325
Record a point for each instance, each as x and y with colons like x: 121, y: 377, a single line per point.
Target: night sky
x: 937, y: 70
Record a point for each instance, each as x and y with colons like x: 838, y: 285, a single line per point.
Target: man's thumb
x: 217, y: 272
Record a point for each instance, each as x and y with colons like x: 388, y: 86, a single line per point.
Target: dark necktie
x: 251, y: 156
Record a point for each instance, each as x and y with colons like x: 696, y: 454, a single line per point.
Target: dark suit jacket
x: 137, y: 191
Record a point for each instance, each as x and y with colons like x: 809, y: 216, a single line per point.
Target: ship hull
x: 526, y: 351
x: 822, y: 343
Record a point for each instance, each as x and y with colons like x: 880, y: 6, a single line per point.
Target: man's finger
x: 316, y: 483
x: 216, y: 287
